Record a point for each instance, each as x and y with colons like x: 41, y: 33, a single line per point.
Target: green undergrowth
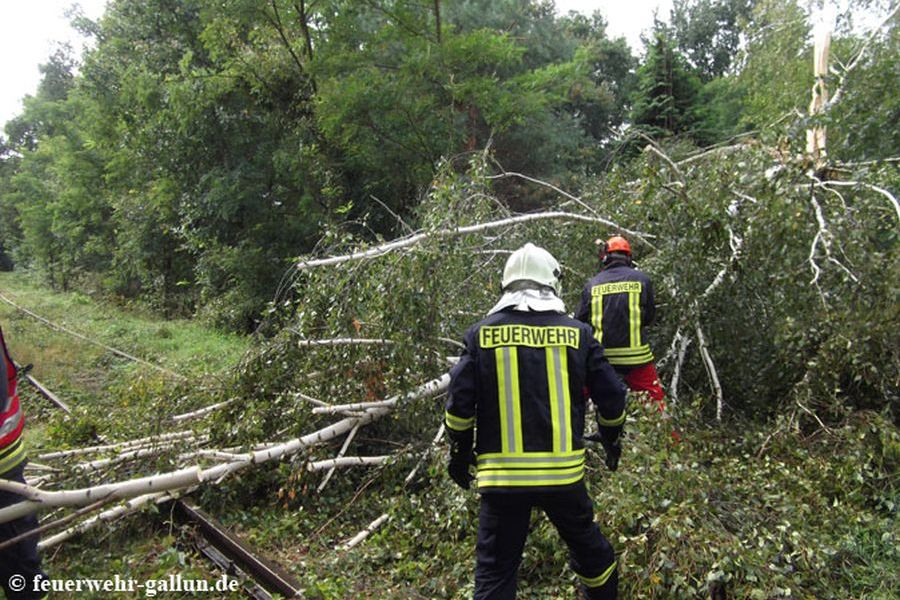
x: 749, y: 509
x: 752, y: 511
x: 781, y: 517
x: 113, y: 399
x: 757, y: 512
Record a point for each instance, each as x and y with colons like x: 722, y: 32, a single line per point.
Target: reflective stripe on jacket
x: 12, y: 417
x: 519, y: 383
x: 619, y: 304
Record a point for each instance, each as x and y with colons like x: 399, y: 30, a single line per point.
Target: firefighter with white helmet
x: 516, y: 412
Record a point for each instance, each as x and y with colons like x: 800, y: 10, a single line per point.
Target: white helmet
x: 531, y: 263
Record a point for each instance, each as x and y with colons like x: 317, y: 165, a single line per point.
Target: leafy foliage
x: 708, y: 32
x: 204, y: 144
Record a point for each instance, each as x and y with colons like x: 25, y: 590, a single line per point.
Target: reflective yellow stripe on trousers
x: 508, y: 394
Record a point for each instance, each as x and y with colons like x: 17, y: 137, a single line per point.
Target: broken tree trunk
x: 815, y: 136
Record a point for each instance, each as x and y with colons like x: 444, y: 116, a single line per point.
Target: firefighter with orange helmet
x: 619, y: 304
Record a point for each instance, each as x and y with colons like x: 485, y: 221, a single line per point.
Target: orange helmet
x: 618, y: 244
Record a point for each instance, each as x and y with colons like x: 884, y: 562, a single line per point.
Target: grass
x: 180, y: 345
x: 110, y: 395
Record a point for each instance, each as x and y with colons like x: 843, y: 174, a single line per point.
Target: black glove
x: 613, y: 453
x: 613, y: 449
x: 458, y: 468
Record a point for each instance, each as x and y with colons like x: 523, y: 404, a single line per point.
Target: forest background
x: 199, y: 149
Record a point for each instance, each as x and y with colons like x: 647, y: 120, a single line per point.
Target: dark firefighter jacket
x: 519, y: 385
x: 618, y: 303
x: 12, y: 419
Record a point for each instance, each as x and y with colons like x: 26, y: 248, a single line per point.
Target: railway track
x: 260, y: 577
x: 41, y: 389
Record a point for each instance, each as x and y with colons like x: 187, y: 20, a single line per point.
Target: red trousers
x: 644, y: 379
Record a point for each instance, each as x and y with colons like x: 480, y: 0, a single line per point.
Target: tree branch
x: 341, y: 453
x: 711, y: 371
x: 441, y: 233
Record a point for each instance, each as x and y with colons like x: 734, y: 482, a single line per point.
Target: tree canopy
x: 199, y: 147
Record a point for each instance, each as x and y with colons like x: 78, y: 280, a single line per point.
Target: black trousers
x: 502, y: 529
x: 21, y: 559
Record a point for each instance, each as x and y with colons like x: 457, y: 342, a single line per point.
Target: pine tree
x: 666, y: 91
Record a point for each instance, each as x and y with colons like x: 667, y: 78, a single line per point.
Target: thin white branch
x: 815, y: 416
x: 434, y: 442
x: 718, y: 150
x: 36, y: 466
x: 362, y: 535
x: 342, y: 342
x: 128, y: 455
x: 106, y: 516
x: 126, y: 445
x: 882, y: 191
x: 823, y: 237
x: 812, y: 261
x: 441, y: 233
x: 202, y: 412
x: 743, y: 196
x: 310, y: 399
x: 652, y: 147
x: 673, y: 348
x: 338, y: 408
x: 846, y: 71
x: 347, y: 441
x: 378, y: 522
x: 867, y: 163
x: 347, y: 461
x: 215, y: 454
x: 736, y: 244
x: 433, y: 387
x: 40, y: 480
x: 124, y: 457
x: 711, y: 371
x: 392, y: 213
x: 574, y: 199
x: 844, y: 268
x: 456, y: 343
x: 887, y: 195
x: 683, y: 342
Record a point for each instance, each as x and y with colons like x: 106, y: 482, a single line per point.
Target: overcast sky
x: 31, y: 28
x: 625, y: 17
